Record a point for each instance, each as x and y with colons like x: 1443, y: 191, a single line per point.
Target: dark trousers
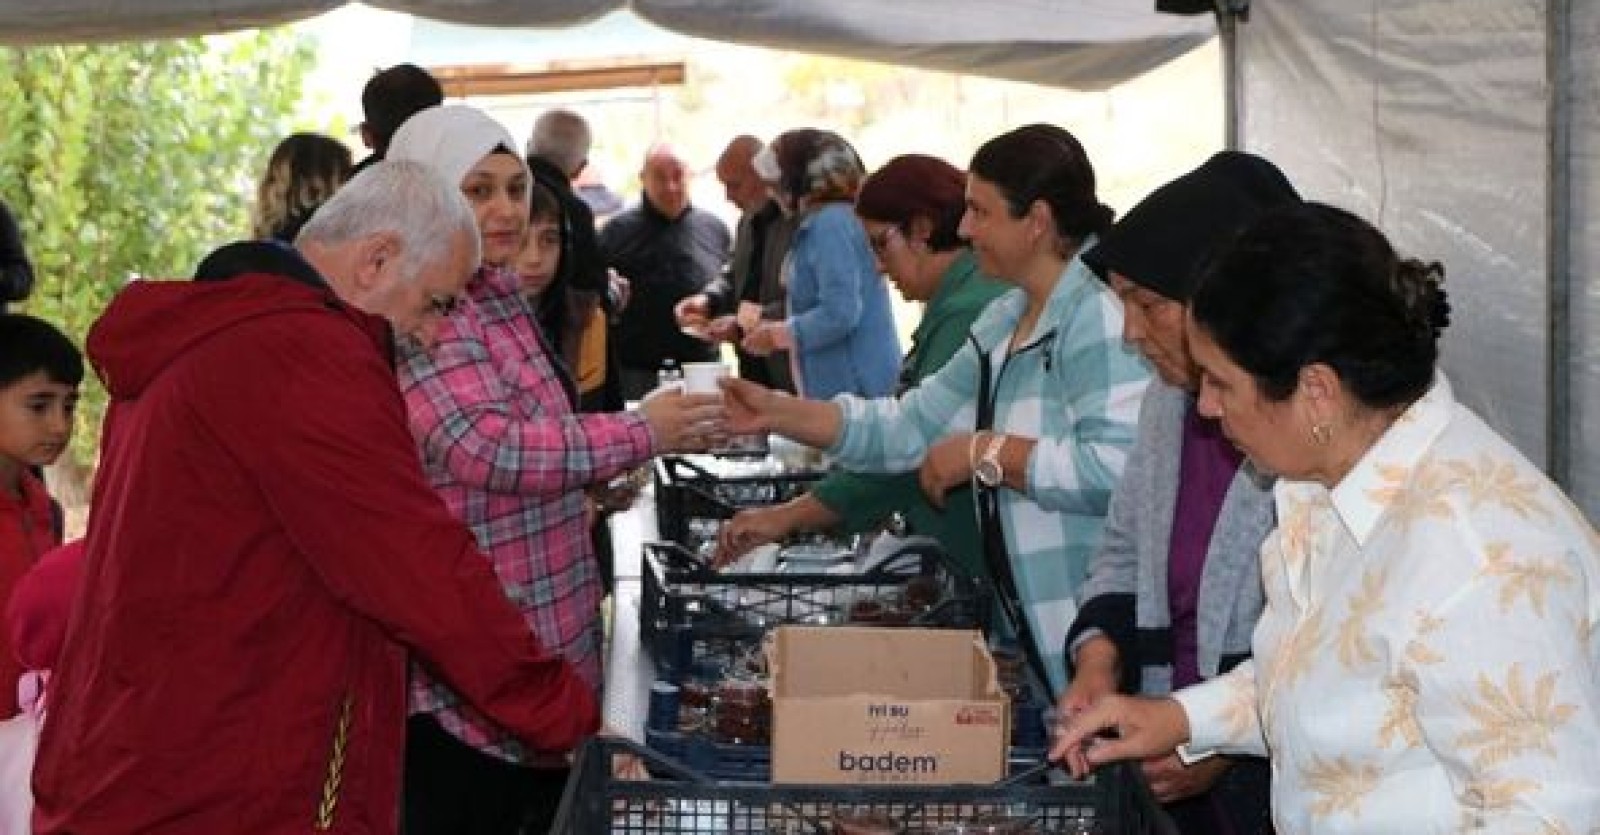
x: 452, y: 788
x: 1239, y: 804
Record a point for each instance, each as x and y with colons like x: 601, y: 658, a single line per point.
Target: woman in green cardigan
x: 911, y: 208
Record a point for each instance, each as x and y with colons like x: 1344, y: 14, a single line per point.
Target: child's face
x: 536, y: 264
x: 36, y: 419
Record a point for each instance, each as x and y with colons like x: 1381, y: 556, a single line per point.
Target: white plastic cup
x: 702, y: 377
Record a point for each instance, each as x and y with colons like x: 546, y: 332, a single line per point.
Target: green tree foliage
x: 134, y: 159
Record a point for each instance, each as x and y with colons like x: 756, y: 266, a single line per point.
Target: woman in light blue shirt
x: 839, y: 332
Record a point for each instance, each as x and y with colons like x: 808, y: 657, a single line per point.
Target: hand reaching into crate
x: 948, y: 463
x: 761, y: 525
x: 1120, y: 728
x: 1096, y: 668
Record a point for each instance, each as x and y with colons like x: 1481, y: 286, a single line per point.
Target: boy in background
x: 40, y: 370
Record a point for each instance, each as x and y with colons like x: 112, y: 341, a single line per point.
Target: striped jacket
x: 1075, y: 388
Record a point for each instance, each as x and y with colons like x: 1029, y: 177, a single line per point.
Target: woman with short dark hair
x: 1427, y: 654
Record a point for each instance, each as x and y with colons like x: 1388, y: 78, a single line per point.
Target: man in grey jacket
x: 1174, y: 592
x: 751, y: 288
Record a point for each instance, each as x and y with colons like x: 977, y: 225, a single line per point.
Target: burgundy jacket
x: 262, y: 552
x: 27, y: 531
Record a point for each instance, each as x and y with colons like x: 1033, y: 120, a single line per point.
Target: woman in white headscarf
x: 494, y: 415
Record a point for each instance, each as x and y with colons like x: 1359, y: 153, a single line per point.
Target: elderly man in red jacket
x: 264, y: 550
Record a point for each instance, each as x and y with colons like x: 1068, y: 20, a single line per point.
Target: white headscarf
x: 765, y: 163
x: 451, y: 138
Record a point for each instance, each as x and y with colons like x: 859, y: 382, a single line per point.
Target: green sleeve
x: 864, y: 500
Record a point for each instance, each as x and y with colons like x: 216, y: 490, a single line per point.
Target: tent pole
x: 1558, y: 257
x: 1229, y: 13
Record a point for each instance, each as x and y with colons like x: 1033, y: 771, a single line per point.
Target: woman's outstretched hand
x: 749, y: 405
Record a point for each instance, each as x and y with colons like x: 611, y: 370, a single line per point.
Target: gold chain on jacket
x: 330, y: 787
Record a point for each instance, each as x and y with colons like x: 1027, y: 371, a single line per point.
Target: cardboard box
x: 885, y: 706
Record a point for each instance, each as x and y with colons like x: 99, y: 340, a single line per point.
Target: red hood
x: 151, y: 323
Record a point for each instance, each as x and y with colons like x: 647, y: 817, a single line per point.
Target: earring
x: 1322, y: 434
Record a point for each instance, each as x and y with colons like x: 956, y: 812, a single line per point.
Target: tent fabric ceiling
x: 1088, y: 45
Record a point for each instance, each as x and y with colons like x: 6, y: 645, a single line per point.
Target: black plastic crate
x: 681, y: 801
x: 685, y: 604
x: 695, y: 494
x: 716, y: 760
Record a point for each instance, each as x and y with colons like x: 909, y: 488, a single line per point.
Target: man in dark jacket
x: 667, y: 249
x: 751, y: 288
x: 265, y: 551
x: 390, y: 98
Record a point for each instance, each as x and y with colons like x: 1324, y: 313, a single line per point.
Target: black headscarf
x: 1162, y: 243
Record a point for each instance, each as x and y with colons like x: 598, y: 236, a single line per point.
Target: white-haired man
x: 265, y: 551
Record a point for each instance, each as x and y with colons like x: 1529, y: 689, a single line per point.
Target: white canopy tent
x: 1457, y: 125
x: 1460, y: 128
x: 1084, y: 44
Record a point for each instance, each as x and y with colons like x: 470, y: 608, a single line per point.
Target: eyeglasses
x: 443, y: 305
x: 880, y: 241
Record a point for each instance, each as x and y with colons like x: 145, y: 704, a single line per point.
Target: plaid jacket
x: 1075, y: 388
x: 502, y: 445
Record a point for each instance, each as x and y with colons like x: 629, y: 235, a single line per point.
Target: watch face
x: 988, y: 473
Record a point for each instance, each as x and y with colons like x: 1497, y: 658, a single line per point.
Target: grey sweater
x: 1125, y: 597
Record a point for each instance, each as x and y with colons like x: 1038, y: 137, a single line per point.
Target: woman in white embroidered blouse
x: 1426, y: 661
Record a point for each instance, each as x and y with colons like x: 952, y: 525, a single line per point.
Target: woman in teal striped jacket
x: 1037, y: 409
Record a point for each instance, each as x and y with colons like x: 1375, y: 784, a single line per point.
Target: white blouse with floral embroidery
x: 1426, y: 661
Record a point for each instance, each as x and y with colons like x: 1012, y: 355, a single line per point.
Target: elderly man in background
x: 265, y: 551
x: 751, y: 289
x: 563, y: 137
x: 668, y: 250
x: 558, y: 151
